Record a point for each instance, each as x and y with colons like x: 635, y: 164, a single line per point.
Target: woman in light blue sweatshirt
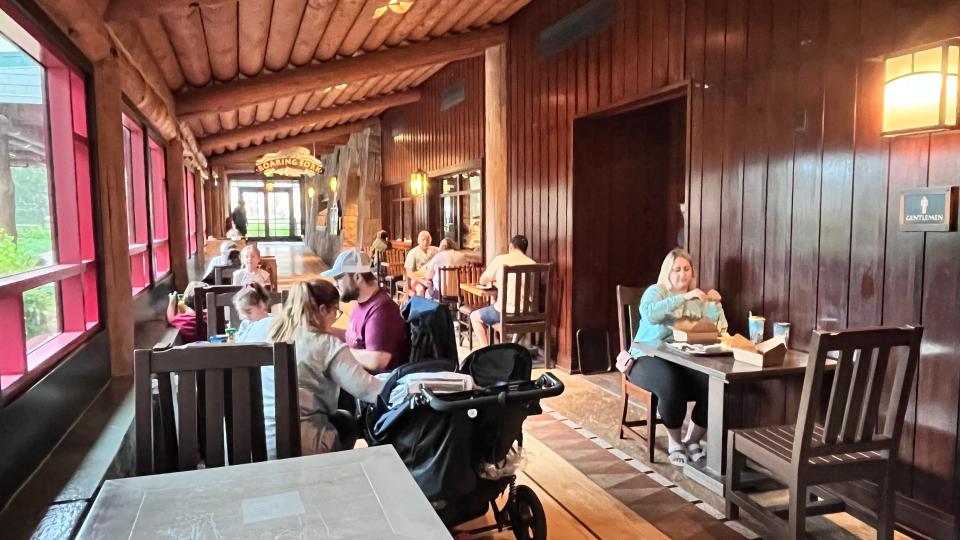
x: 674, y: 296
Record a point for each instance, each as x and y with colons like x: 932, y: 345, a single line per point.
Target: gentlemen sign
x: 928, y: 209
x: 297, y: 161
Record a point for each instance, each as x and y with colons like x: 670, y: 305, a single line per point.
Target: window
x: 400, y: 218
x: 191, y: 209
x: 134, y: 172
x: 158, y: 211
x: 461, y: 209
x: 48, y: 281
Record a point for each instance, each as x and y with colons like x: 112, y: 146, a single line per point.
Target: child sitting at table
x: 253, y: 304
x: 185, y: 322
x: 250, y: 271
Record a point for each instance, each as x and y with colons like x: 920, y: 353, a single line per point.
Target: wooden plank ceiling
x: 249, y: 72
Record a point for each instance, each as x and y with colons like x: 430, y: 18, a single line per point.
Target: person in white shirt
x: 483, y: 318
x: 223, y: 259
x: 417, y: 259
x: 250, y: 271
x: 447, y: 256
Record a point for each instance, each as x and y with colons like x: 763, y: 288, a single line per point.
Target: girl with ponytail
x: 324, y: 363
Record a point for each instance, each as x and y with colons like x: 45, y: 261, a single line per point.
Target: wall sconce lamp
x: 418, y: 183
x: 268, y: 186
x: 311, y: 193
x: 920, y: 89
x: 334, y: 184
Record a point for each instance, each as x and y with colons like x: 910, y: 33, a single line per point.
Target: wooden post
x: 198, y: 206
x: 111, y: 211
x: 495, y: 152
x: 176, y: 214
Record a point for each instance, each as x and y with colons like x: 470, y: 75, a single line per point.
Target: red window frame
x: 69, y: 174
x: 135, y: 173
x: 190, y: 207
x: 158, y: 210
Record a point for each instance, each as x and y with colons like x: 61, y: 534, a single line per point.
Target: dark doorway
x: 629, y: 178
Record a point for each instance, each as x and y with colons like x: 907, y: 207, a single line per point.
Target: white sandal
x: 678, y: 458
x: 695, y: 451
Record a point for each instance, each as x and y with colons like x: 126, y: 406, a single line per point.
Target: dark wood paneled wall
x: 792, y: 191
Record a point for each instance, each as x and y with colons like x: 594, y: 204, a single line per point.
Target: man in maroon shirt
x: 377, y: 333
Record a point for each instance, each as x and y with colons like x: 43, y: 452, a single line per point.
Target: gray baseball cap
x: 352, y: 261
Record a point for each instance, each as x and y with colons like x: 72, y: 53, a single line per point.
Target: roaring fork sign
x: 297, y: 161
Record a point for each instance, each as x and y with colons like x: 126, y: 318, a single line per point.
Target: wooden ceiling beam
x: 131, y: 10
x: 230, y: 96
x: 307, y: 139
x: 367, y: 106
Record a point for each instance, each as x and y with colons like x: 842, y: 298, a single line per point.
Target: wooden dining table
x: 359, y: 493
x: 474, y: 288
x: 723, y: 407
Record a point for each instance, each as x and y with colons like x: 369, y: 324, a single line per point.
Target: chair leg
x: 651, y: 426
x: 797, y: 511
x: 623, y: 412
x: 547, y: 361
x: 735, y: 464
x: 886, y: 510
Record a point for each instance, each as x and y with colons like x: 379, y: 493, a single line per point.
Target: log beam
x: 307, y: 139
x: 367, y: 106
x: 495, y: 134
x: 173, y: 166
x: 230, y: 96
x: 131, y: 10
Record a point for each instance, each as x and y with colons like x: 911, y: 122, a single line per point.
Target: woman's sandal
x: 678, y: 458
x: 695, y: 451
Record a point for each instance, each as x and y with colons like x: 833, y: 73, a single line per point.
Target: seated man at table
x: 483, y: 318
x: 417, y: 259
x: 674, y: 296
x: 229, y: 255
x: 377, y: 332
x: 447, y: 257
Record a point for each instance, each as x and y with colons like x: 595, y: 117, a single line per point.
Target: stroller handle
x: 547, y: 385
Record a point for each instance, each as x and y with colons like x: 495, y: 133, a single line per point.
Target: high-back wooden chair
x: 269, y: 263
x: 449, y: 281
x: 200, y: 305
x: 527, y: 287
x: 468, y: 302
x: 850, y: 444
x: 195, y: 433
x: 394, y: 275
x: 223, y: 275
x: 220, y: 309
x: 628, y: 318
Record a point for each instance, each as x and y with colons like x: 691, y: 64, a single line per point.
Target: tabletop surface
x: 360, y: 493
x: 472, y: 288
x: 725, y: 367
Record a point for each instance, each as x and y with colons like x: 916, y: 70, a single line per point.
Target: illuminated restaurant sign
x: 295, y: 162
x: 928, y: 209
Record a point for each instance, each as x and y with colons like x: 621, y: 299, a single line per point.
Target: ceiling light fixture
x: 396, y: 6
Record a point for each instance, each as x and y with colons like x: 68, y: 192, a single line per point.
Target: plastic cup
x: 755, y: 326
x: 782, y: 329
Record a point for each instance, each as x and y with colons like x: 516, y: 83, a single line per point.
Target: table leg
x: 723, y: 413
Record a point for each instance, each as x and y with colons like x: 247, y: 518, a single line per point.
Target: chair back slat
x: 168, y: 421
x: 240, y: 393
x: 231, y: 399
x: 859, y: 379
x: 628, y: 314
x: 449, y: 282
x: 529, y: 287
x: 856, y: 397
x: 187, y: 440
x: 873, y: 393
x: 470, y: 274
x: 838, y: 394
x: 394, y: 256
x: 223, y: 275
x: 214, y: 403
x: 200, y: 304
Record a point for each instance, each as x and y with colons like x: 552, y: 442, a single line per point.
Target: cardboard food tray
x: 702, y: 332
x: 768, y: 354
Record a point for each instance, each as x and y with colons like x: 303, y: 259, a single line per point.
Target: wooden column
x: 176, y: 214
x: 111, y: 211
x: 495, y: 152
x: 199, y: 217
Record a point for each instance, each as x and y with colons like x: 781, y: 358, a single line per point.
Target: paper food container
x: 702, y: 331
x: 769, y: 353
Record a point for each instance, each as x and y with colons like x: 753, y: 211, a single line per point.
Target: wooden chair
x: 223, y: 275
x: 468, y: 302
x: 848, y: 445
x: 628, y: 317
x: 394, y: 277
x: 200, y: 305
x: 269, y: 263
x: 449, y: 290
x: 219, y: 306
x: 528, y: 286
x: 231, y: 373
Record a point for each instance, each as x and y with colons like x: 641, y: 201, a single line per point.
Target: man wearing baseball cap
x: 376, y: 333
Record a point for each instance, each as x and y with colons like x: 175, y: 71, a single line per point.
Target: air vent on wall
x: 452, y: 95
x: 589, y: 20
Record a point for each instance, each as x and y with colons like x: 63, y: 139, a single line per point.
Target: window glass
x: 41, y: 313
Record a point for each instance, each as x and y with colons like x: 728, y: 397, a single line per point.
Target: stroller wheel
x: 526, y: 515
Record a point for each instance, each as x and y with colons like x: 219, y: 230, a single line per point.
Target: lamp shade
x: 418, y: 183
x: 334, y: 184
x: 268, y: 186
x: 920, y: 89
x: 311, y: 192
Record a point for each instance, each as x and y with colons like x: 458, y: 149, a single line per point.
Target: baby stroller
x: 459, y: 446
